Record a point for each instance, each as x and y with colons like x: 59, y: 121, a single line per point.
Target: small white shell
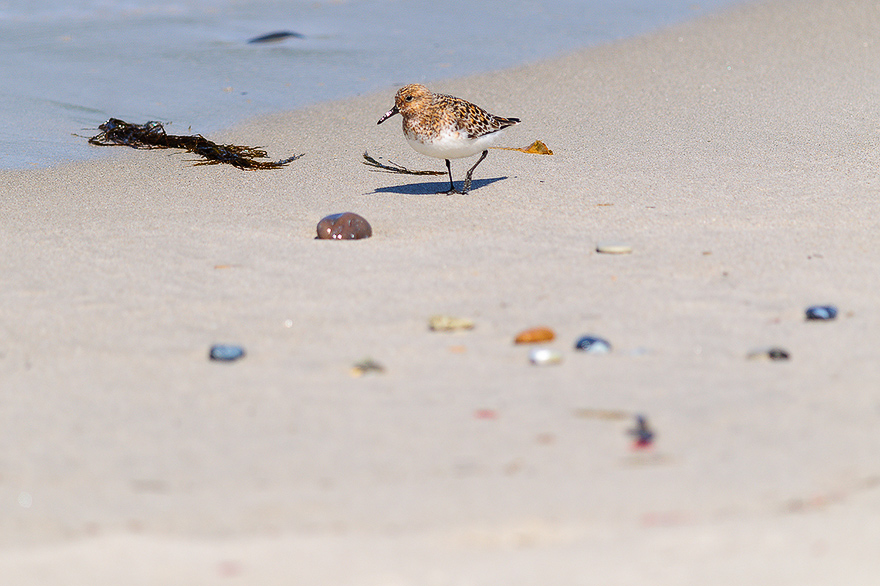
x: 544, y: 356
x: 613, y: 247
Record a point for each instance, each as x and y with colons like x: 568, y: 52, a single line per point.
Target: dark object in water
x: 643, y: 434
x: 275, y: 37
x: 116, y: 132
x: 344, y: 226
x: 226, y: 353
x: 821, y: 312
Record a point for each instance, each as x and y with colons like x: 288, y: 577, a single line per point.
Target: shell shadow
x: 433, y: 187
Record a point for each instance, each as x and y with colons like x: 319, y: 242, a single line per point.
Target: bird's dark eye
x: 408, y: 98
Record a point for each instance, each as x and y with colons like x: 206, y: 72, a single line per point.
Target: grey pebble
x: 771, y: 353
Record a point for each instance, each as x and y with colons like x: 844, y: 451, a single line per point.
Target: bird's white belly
x: 452, y: 144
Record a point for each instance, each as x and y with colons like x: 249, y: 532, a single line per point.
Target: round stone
x: 821, y: 312
x: 545, y: 356
x: 226, y: 352
x: 344, y: 226
x: 593, y: 345
x: 613, y: 247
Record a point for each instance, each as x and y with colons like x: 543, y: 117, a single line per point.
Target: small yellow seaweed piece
x: 536, y: 148
x: 448, y: 323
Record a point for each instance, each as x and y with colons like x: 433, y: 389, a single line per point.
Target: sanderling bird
x: 446, y: 127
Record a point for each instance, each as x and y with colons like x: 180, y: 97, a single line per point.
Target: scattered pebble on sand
x: 770, y: 353
x: 593, y: 345
x: 534, y: 335
x: 821, y: 312
x: 486, y: 414
x: 545, y: 439
x: 366, y: 366
x: 226, y: 352
x: 613, y: 247
x: 545, y: 356
x: 609, y: 414
x: 344, y: 226
x: 644, y: 435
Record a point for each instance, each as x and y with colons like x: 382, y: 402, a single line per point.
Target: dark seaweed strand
x: 139, y: 136
x: 152, y: 135
x: 394, y: 167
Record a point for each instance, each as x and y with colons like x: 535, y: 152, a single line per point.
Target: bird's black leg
x: 467, y: 178
x: 452, y: 188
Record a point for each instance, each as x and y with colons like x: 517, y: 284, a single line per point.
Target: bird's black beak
x: 388, y: 115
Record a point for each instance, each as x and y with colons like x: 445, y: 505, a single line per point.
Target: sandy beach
x: 737, y: 155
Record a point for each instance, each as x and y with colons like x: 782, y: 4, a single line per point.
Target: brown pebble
x: 344, y: 226
x: 366, y: 366
x: 534, y: 335
x: 545, y: 438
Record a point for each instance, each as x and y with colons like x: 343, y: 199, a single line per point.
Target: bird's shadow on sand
x: 435, y: 187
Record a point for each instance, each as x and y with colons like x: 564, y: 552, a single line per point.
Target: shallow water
x: 68, y: 66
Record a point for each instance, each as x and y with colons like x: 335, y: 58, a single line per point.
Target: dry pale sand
x: 737, y: 154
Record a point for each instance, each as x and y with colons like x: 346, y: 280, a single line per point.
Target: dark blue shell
x: 593, y: 345
x: 821, y: 312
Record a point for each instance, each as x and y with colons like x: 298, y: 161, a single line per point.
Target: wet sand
x: 737, y: 155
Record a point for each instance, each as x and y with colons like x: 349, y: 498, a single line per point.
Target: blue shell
x: 593, y: 345
x: 821, y: 312
x: 226, y: 353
